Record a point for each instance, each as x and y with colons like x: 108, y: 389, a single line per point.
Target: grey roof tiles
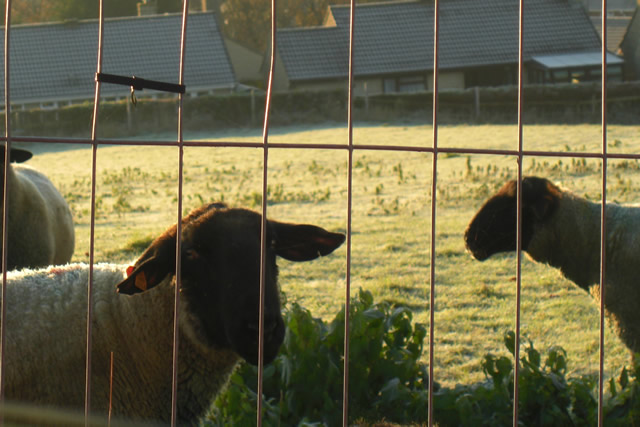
x: 57, y: 61
x: 396, y: 37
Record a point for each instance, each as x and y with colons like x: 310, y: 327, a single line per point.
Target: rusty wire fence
x: 348, y: 147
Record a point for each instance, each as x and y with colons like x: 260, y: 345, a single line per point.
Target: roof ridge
x: 314, y: 28
x: 72, y: 22
x: 380, y: 3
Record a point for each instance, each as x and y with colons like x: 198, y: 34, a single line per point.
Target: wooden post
x: 129, y: 115
x: 366, y: 98
x: 253, y: 107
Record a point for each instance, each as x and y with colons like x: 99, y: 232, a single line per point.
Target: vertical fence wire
x: 516, y: 348
x: 92, y: 219
x: 5, y: 198
x: 176, y: 300
x: 347, y: 290
x: 434, y: 174
x: 603, y: 222
x: 263, y: 225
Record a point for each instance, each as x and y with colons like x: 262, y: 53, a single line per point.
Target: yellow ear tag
x: 141, y: 281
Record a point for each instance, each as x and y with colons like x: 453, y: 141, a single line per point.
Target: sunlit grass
x: 474, y: 302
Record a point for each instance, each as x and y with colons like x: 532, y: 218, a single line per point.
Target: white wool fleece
x: 45, y: 350
x: 570, y: 241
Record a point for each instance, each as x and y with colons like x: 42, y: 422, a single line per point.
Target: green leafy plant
x: 304, y: 384
x: 387, y: 381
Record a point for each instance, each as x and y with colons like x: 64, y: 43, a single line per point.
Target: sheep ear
x: 304, y: 242
x: 542, y: 196
x: 18, y: 155
x: 146, y: 275
x: 156, y: 263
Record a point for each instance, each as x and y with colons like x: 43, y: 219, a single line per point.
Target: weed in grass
x: 622, y: 186
x: 389, y: 247
x: 384, y: 206
x: 486, y: 291
x: 627, y: 165
x: 615, y: 144
x: 315, y: 168
x: 398, y: 170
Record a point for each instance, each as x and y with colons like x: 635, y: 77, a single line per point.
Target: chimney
x: 147, y: 7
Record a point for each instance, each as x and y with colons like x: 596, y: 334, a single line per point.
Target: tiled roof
x: 396, y: 37
x: 315, y: 52
x: 616, y: 29
x: 58, y: 61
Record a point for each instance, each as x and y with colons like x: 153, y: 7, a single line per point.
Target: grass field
x: 475, y: 302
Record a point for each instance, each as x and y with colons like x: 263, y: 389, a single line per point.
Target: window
x: 411, y: 84
x: 389, y: 85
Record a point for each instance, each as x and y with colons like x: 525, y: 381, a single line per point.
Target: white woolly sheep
x: 40, y: 223
x: 218, y: 317
x: 563, y: 230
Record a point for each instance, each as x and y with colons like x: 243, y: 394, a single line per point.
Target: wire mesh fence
x: 347, y: 148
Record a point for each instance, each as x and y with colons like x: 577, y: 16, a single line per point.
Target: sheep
x: 40, y: 223
x: 563, y: 230
x: 218, y: 317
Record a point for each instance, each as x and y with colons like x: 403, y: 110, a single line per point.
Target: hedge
x: 553, y: 104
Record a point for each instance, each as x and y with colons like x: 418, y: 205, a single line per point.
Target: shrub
x: 387, y: 381
x: 304, y: 384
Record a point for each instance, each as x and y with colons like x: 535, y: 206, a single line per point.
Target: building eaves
x: 575, y: 60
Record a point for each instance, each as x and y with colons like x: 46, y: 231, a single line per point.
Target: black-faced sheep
x: 563, y: 230
x: 40, y: 223
x: 218, y: 317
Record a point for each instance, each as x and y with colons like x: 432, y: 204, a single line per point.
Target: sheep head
x: 18, y: 155
x: 220, y: 270
x: 493, y: 228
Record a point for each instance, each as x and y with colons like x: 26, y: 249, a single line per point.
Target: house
x: 619, y: 13
x: 54, y: 64
x: 478, y: 46
x: 630, y: 47
x: 246, y: 62
x: 616, y: 29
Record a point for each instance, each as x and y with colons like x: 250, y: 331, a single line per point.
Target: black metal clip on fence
x: 137, y: 83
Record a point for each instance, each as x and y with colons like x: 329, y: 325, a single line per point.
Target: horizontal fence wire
x: 519, y: 154
x: 332, y: 146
